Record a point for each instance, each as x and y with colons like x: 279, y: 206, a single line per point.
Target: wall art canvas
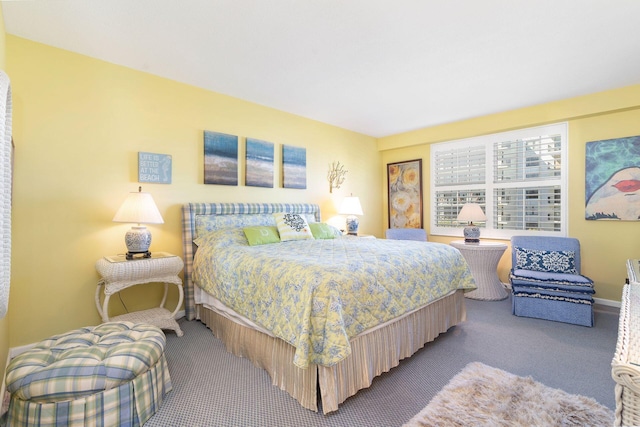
x: 294, y: 167
x: 259, y: 163
x: 405, y: 194
x: 154, y: 167
x: 220, y: 158
x: 612, y: 188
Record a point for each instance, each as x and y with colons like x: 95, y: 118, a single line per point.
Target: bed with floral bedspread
x: 322, y: 316
x: 318, y: 294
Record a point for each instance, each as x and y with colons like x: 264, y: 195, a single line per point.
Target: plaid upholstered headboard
x: 237, y: 214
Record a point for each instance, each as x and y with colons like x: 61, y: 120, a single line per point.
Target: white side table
x: 483, y: 261
x: 117, y: 274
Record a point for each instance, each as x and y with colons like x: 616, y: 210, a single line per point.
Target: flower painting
x: 405, y: 194
x: 613, y: 179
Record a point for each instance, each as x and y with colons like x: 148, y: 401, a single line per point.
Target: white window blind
x: 464, y: 165
x: 518, y: 178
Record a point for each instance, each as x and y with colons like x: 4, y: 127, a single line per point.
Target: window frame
x: 487, y: 228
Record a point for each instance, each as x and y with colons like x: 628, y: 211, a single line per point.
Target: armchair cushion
x: 556, y: 281
x: 545, y: 260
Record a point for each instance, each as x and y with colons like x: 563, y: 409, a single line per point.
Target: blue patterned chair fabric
x: 112, y: 374
x: 419, y: 234
x: 546, y: 281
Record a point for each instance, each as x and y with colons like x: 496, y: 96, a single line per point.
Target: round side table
x: 483, y: 261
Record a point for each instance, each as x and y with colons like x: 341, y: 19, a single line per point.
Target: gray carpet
x: 214, y: 388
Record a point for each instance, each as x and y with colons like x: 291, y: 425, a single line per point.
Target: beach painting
x: 612, y: 172
x: 220, y: 158
x: 294, y: 167
x: 259, y: 163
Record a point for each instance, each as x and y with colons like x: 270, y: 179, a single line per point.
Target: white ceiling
x: 378, y: 67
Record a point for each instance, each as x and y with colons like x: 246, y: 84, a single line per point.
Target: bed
x: 330, y: 342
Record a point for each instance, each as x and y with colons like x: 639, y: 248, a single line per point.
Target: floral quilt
x: 317, y: 294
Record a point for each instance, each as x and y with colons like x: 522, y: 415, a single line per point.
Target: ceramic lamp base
x: 471, y: 234
x: 138, y: 240
x: 352, y: 225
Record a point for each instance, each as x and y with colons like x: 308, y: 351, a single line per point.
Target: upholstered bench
x: 114, y: 374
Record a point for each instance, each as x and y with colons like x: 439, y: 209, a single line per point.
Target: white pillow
x: 292, y: 226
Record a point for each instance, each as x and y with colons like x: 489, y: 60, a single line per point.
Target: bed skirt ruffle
x: 372, y: 353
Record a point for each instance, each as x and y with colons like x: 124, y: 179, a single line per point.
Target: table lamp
x: 351, y: 207
x: 138, y: 208
x: 471, y: 212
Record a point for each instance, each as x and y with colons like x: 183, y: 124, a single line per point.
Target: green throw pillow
x: 261, y: 235
x: 321, y: 230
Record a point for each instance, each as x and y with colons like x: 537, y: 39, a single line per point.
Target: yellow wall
x: 78, y: 126
x: 612, y: 114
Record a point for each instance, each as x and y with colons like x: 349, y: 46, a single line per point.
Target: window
x: 519, y: 178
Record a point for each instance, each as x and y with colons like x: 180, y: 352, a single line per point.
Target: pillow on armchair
x: 547, y: 261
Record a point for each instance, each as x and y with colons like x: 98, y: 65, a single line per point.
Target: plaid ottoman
x: 114, y: 374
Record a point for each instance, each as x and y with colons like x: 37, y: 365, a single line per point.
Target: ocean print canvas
x: 220, y: 158
x: 259, y: 163
x: 612, y: 173
x: 294, y: 167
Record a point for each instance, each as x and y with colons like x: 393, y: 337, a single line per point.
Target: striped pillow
x: 292, y: 226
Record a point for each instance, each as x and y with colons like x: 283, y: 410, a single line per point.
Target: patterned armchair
x: 406, y: 234
x: 546, y: 281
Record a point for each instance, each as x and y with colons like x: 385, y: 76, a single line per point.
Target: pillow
x: 261, y: 235
x: 292, y: 226
x: 321, y: 230
x: 549, y: 261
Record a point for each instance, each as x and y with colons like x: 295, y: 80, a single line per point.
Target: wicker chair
x: 419, y: 234
x: 546, y: 280
x: 625, y: 366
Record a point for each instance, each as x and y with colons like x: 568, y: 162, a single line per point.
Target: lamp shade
x: 471, y: 212
x: 350, y: 206
x: 139, y: 208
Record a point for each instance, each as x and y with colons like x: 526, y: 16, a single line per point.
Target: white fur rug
x: 484, y: 396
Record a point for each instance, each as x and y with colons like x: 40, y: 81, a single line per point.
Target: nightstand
x: 118, y: 273
x: 483, y: 258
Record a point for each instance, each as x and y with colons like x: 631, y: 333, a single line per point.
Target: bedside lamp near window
x: 138, y: 208
x: 351, y: 207
x: 471, y: 212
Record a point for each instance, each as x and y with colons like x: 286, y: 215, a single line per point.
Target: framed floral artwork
x: 405, y: 194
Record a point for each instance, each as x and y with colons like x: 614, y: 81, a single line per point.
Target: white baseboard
x: 607, y: 302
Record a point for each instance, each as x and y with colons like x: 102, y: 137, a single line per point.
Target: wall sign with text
x: 154, y: 167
